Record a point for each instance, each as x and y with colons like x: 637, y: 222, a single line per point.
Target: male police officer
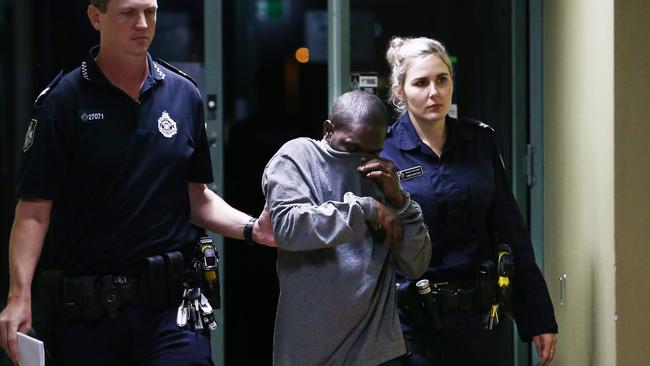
x: 116, y: 161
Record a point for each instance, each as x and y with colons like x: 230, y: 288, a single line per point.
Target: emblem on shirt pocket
x: 29, y: 136
x: 166, y: 125
x: 410, y: 173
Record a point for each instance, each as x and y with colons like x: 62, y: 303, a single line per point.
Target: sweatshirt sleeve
x: 300, y: 223
x: 412, y: 257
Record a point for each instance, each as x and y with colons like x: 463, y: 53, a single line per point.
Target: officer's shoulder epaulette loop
x: 39, y: 99
x: 390, y: 128
x: 176, y: 70
x: 476, y: 123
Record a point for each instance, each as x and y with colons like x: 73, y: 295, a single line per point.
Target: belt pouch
x: 433, y: 309
x: 155, y: 281
x: 411, y: 305
x: 175, y: 276
x: 487, y: 281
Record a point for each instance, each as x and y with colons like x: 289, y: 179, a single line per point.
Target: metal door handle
x: 563, y: 291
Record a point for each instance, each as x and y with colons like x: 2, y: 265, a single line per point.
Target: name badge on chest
x: 410, y: 173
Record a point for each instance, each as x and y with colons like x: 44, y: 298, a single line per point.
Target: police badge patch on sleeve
x: 166, y: 125
x: 29, y: 136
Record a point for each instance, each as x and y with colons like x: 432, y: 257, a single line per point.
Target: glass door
x: 189, y: 36
x: 275, y: 63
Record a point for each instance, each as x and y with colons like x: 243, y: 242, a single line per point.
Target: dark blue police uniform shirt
x: 117, y: 170
x: 467, y: 202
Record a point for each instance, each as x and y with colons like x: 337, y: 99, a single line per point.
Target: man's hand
x: 389, y: 221
x: 384, y: 173
x: 546, y: 347
x: 16, y: 317
x: 263, y: 230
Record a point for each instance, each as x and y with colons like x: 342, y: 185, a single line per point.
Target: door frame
x: 213, y: 102
x: 528, y: 135
x: 338, y: 49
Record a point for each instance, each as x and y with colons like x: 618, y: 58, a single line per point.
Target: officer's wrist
x: 248, y: 232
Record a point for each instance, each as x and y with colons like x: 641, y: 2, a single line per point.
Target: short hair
x: 400, y: 53
x: 99, y: 4
x: 358, y: 106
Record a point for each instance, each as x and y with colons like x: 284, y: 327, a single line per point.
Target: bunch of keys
x: 196, y: 310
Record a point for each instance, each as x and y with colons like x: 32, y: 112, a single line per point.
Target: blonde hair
x: 400, y: 53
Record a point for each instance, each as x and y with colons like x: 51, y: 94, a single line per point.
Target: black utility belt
x: 456, y: 297
x: 424, y: 310
x: 158, y: 284
x: 463, y: 296
x: 423, y: 302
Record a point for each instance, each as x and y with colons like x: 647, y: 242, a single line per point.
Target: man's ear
x: 328, y: 129
x: 93, y: 15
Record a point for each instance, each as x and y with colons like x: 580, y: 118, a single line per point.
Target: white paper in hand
x: 31, y: 351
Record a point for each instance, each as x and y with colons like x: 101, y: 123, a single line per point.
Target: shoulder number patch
x: 410, y: 173
x: 166, y: 125
x: 29, y: 136
x: 483, y: 125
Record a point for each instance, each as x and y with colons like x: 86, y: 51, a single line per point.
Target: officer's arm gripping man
x: 211, y: 212
x: 25, y: 246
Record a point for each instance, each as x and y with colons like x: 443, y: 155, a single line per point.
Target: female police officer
x: 452, y: 168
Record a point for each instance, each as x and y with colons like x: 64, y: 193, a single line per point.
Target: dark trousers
x: 138, y: 337
x: 462, y: 342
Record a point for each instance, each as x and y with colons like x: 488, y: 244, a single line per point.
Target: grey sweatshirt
x: 337, y: 285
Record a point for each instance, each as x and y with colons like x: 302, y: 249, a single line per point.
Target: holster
x: 411, y: 305
x: 425, y: 311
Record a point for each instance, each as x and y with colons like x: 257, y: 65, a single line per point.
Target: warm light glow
x: 302, y: 55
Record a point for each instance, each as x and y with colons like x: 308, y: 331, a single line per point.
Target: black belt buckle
x: 109, y: 295
x: 117, y: 291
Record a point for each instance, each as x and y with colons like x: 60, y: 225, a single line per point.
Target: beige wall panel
x: 632, y: 180
x: 578, y: 176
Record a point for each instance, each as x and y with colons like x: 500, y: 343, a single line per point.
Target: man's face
x: 356, y: 137
x: 127, y: 26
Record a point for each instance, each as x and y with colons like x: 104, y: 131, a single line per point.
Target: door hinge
x: 530, y: 171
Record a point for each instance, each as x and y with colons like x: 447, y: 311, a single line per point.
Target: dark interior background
x: 269, y: 98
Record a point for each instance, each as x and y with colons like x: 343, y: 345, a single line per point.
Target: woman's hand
x: 546, y: 347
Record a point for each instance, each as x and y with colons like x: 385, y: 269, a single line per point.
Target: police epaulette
x: 176, y: 70
x: 477, y: 123
x: 391, y: 127
x: 46, y: 91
